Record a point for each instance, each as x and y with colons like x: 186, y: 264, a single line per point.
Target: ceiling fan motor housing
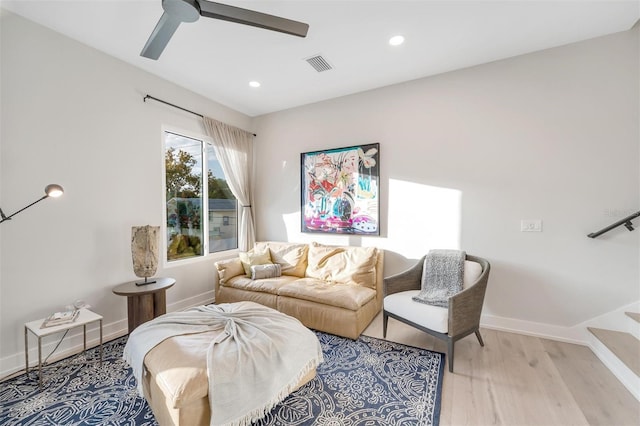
x: 182, y: 10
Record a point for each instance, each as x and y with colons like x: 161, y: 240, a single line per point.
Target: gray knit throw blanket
x: 442, y: 275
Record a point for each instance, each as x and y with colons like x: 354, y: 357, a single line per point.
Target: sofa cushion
x: 343, y: 295
x: 255, y: 256
x: 292, y: 257
x: 265, y: 285
x: 348, y: 265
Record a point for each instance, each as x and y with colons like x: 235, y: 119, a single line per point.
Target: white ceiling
x: 217, y: 59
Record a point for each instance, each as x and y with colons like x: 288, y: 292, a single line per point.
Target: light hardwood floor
x: 521, y: 380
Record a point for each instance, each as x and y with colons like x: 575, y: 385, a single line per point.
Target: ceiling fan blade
x: 160, y: 36
x: 238, y: 15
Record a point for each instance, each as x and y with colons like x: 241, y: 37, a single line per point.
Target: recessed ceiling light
x: 254, y: 83
x: 396, y: 40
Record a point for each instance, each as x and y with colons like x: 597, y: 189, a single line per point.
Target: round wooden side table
x: 145, y: 302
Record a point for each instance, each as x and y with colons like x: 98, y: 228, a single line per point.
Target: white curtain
x: 234, y: 150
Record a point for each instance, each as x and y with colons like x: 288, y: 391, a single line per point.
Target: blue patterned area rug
x: 364, y: 382
x: 77, y: 391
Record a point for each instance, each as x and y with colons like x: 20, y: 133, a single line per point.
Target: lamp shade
x: 53, y: 190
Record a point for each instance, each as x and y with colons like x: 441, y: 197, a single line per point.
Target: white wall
x: 74, y: 116
x: 551, y: 135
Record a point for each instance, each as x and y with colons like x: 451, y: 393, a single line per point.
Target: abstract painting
x: 339, y: 190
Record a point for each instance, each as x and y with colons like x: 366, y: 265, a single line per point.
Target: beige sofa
x: 335, y: 289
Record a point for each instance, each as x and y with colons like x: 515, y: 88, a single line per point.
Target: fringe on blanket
x: 260, y: 412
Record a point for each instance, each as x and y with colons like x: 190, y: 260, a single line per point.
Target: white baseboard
x: 73, y: 343
x: 197, y: 300
x: 578, y: 334
x: 573, y: 334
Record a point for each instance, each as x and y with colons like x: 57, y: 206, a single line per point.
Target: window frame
x: 166, y: 263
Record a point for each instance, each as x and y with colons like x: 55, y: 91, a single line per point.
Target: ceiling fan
x: 178, y: 11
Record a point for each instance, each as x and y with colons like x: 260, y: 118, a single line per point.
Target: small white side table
x: 85, y: 317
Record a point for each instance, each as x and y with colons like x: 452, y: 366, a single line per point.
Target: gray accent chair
x: 463, y: 313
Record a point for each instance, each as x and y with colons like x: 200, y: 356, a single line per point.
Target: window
x: 196, y: 207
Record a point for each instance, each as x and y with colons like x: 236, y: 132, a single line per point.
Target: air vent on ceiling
x: 319, y: 63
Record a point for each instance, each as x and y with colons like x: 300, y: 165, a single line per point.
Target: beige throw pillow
x: 292, y: 257
x: 228, y: 269
x: 349, y: 265
x: 254, y: 257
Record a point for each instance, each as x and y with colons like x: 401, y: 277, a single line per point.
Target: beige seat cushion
x: 264, y: 285
x: 348, y: 296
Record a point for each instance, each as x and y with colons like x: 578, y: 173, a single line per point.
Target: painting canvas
x: 339, y: 191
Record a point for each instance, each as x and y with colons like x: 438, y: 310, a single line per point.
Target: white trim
x: 627, y: 377
x: 204, y: 226
x: 578, y: 334
x: 211, y: 257
x: 205, y: 141
x: 573, y: 334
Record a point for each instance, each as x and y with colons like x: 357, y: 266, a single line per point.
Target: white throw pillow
x: 265, y: 271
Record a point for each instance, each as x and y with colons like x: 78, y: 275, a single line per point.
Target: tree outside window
x: 186, y: 161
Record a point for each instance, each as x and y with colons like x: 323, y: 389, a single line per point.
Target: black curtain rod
x: 176, y: 106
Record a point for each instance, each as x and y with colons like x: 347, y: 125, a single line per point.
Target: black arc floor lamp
x: 52, y: 190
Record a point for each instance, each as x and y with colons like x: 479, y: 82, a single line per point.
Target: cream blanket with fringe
x: 252, y: 366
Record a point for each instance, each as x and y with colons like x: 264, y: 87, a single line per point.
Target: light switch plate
x: 531, y: 225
